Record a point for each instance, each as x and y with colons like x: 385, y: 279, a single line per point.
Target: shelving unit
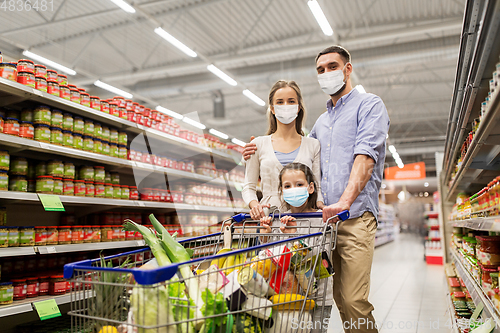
x: 433, y: 243
x: 386, y: 230
x: 482, y: 223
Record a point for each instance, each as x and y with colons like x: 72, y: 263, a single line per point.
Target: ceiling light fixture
x: 169, y: 112
x: 238, y: 142
x: 193, y: 123
x: 223, y: 76
x: 320, y: 17
x: 392, y: 149
x: 123, y: 5
x: 175, y: 42
x: 112, y: 89
x: 426, y: 184
x: 48, y: 62
x: 254, y: 98
x: 219, y: 134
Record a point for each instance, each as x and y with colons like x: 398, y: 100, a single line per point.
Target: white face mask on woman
x: 286, y: 113
x: 331, y: 82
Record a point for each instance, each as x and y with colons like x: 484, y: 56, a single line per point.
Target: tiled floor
x: 408, y: 295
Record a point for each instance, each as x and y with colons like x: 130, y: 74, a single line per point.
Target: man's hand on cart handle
x: 332, y: 210
x: 257, y: 210
x: 250, y: 149
x: 266, y: 223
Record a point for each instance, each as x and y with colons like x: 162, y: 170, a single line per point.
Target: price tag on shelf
x: 37, y: 92
x: 51, y: 203
x: 51, y: 249
x: 141, y: 204
x: 44, y: 145
x: 47, y: 309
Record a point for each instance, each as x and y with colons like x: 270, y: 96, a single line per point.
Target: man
x: 352, y: 133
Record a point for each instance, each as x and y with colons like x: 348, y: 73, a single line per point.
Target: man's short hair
x: 344, y: 54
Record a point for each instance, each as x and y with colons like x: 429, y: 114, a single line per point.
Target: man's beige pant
x: 352, y: 262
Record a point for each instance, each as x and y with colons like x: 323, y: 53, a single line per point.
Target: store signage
x: 47, y: 309
x: 409, y: 171
x: 51, y: 203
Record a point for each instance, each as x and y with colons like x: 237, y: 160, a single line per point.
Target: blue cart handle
x: 342, y: 216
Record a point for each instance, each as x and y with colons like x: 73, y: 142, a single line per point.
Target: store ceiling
x: 404, y: 51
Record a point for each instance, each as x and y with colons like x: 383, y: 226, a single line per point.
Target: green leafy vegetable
x: 214, y: 305
x: 182, y: 310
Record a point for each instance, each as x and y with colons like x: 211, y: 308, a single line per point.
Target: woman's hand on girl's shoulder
x: 320, y: 205
x: 266, y: 223
x: 288, y: 221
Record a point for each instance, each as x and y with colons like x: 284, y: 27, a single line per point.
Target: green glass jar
x: 105, y: 133
x: 125, y: 192
x: 77, y: 141
x: 97, y: 131
x: 55, y: 168
x: 113, y: 150
x: 56, y: 136
x: 4, y: 240
x: 122, y: 151
x: 18, y: 184
x: 26, y: 236
x: 58, y: 186
x: 97, y: 146
x: 113, y: 136
x: 67, y: 122
x: 99, y: 174
x: 117, y: 191
x: 86, y: 173
x: 4, y: 180
x: 42, y: 133
x: 19, y: 166
x: 41, y: 169
x: 68, y: 139
x: 42, y: 115
x: 105, y: 148
x: 115, y: 178
x: 4, y: 160
x: 45, y: 184
x: 107, y: 177
x: 88, y: 143
x: 78, y: 125
x: 13, y: 236
x: 88, y: 128
x: 57, y: 119
x: 122, y: 138
x: 27, y: 115
x: 108, y: 190
x: 69, y: 170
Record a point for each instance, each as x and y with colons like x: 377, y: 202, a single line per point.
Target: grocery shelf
x: 382, y: 241
x: 12, y: 92
x: 31, y: 145
x: 17, y: 251
x: 476, y: 292
x: 480, y: 223
x: 72, y: 200
x: 451, y: 311
x: 50, y: 249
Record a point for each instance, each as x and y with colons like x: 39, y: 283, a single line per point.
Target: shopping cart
x: 269, y: 287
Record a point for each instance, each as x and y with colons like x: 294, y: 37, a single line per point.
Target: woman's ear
x: 310, y: 188
x: 271, y: 108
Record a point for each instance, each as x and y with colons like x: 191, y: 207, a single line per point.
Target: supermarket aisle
x: 408, y: 295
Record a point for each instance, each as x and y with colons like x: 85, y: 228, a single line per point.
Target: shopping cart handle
x: 344, y: 215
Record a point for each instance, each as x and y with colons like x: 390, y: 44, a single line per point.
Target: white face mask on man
x: 331, y: 82
x: 286, y: 113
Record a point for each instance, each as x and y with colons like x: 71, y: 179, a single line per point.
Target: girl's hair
x: 301, y: 117
x: 313, y: 198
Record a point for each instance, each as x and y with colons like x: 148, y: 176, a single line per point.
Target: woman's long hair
x: 301, y: 117
x: 313, y: 198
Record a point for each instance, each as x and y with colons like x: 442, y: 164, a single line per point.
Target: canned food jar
x: 53, y: 87
x: 113, y: 150
x: 11, y: 126
x: 99, y: 174
x: 58, y: 285
x: 8, y: 71
x: 45, y: 184
x: 147, y: 194
x: 86, y: 173
x: 41, y: 169
x: 125, y: 192
x: 87, y: 233
x: 4, y: 237
x: 88, y: 143
x: 131, y: 116
x: 122, y: 113
x: 4, y: 160
x: 6, y: 293
x: 52, y: 235
x: 105, y: 133
x: 80, y: 188
x: 13, y: 236
x: 107, y: 177
x: 27, y: 130
x: 58, y: 186
x: 95, y: 103
x: 122, y: 138
x: 85, y: 99
x: 99, y: 190
x: 26, y: 78
x: 19, y: 166
x: 20, y: 289
x: 98, y: 146
x: 56, y: 136
x: 69, y: 170
x: 113, y: 109
x: 108, y: 190
x: 64, y: 236
x: 104, y: 106
x: 42, y: 133
x: 41, y: 70
x: 89, y: 188
x: 33, y: 288
x: 96, y: 234
x: 105, y: 148
x: 117, y: 191
x: 74, y: 95
x: 42, y: 115
x: 107, y: 233
x: 26, y: 236
x: 43, y: 285
x: 41, y: 83
x: 51, y: 74
x: 62, y: 79
x: 113, y: 136
x: 57, y: 119
x: 77, y: 234
x: 27, y: 115
x: 4, y: 180
x: 68, y: 139
x: 78, y: 125
x: 18, y: 184
x: 67, y: 124
x: 68, y: 187
x: 77, y: 141
x: 122, y: 151
x: 115, y: 178
x: 88, y: 128
x: 64, y: 92
x: 81, y: 90
x: 55, y: 168
x: 40, y: 235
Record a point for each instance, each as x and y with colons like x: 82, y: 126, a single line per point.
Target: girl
x: 298, y: 188
x: 284, y: 143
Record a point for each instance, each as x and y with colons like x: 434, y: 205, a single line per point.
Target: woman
x: 284, y: 143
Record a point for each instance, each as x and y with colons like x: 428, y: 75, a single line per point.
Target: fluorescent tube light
x: 175, y: 42
x: 193, y: 123
x: 401, y: 165
x: 253, y: 97
x: 123, y: 5
x: 360, y: 88
x: 392, y: 149
x: 219, y: 134
x: 320, y: 17
x: 169, y: 112
x: 112, y: 89
x: 48, y: 62
x: 426, y: 184
x: 223, y: 76
x: 395, y: 155
x: 238, y: 142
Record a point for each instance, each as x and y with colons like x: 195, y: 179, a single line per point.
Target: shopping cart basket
x: 262, y: 288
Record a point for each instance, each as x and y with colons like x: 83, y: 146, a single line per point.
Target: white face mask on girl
x: 286, y: 113
x: 331, y: 82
